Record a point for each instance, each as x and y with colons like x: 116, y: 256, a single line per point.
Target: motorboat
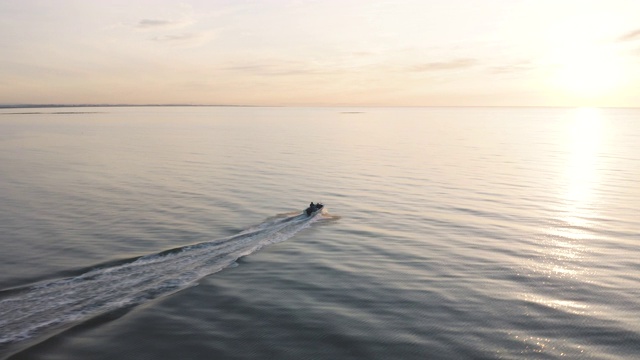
x: 313, y: 208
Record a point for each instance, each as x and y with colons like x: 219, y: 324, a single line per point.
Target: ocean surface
x: 448, y: 233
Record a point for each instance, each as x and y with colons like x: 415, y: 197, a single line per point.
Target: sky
x: 321, y: 53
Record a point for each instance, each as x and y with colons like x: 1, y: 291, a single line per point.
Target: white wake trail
x: 63, y: 302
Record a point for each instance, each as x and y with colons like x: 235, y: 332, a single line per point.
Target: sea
x: 177, y: 232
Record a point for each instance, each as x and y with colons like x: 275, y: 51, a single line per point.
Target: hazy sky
x: 330, y: 52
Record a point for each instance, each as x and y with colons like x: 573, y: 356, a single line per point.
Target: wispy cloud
x: 630, y: 36
x: 153, y: 23
x: 175, y: 38
x: 162, y: 24
x: 518, y: 67
x: 275, y: 68
x: 453, y: 64
x: 185, y: 39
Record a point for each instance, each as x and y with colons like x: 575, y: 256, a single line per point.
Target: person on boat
x: 311, y: 209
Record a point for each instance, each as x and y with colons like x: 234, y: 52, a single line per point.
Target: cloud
x: 275, y: 68
x: 185, y: 39
x: 175, y: 38
x: 280, y: 66
x: 162, y: 24
x: 517, y: 67
x: 453, y: 64
x: 630, y: 36
x: 153, y: 23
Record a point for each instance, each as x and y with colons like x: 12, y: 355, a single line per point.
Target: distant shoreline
x: 39, y: 106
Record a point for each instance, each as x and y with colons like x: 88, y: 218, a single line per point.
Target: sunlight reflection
x: 574, y: 307
x: 560, y: 258
x: 584, y: 142
x: 565, y: 245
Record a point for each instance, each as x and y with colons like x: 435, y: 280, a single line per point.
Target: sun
x: 587, y: 70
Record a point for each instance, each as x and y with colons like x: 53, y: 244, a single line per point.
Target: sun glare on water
x: 584, y: 145
x: 567, y: 244
x: 584, y: 140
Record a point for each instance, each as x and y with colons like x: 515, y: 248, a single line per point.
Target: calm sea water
x: 449, y: 233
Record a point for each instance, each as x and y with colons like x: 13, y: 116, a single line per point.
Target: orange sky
x: 348, y: 52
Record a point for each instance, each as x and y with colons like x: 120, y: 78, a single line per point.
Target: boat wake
x: 31, y: 311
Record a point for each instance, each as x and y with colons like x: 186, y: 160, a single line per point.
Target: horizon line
x: 81, y: 105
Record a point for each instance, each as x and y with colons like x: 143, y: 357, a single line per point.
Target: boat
x: 313, y: 208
